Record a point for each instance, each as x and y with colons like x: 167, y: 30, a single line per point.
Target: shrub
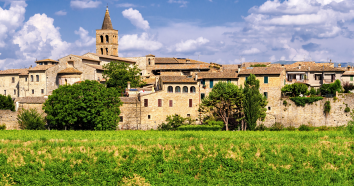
x: 285, y: 103
x: 295, y: 89
x: 6, y: 103
x: 304, y: 128
x: 173, y: 122
x: 216, y: 123
x: 347, y: 109
x: 327, y: 107
x: 348, y: 87
x: 276, y: 127
x: 3, y: 127
x: 350, y: 127
x: 323, y: 128
x: 301, y: 101
x: 261, y: 127
x: 290, y: 128
x: 331, y: 88
x: 313, y: 91
x: 199, y: 128
x: 31, y: 120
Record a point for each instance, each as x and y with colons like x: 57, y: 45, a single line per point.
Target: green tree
x: 295, y: 89
x: 332, y: 88
x: 6, y: 103
x: 173, y: 122
x: 253, y: 103
x: 118, y: 74
x: 30, y: 119
x: 225, y: 100
x: 88, y: 105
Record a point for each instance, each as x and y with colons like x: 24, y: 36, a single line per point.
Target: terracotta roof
x: 150, y: 55
x: 107, y: 24
x: 38, y: 100
x: 229, y: 74
x: 184, y: 60
x: 15, y: 71
x: 150, y: 81
x: 87, y: 58
x: 128, y: 99
x: 177, y: 79
x: 98, y: 67
x: 346, y: 73
x: 47, y: 60
x: 314, y: 69
x: 114, y: 58
x: 70, y: 70
x: 181, y: 67
x: 261, y: 70
x: 172, y: 60
x: 234, y: 66
x: 40, y: 67
x: 248, y: 64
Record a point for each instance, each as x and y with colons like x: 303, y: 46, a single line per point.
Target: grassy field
x: 176, y: 158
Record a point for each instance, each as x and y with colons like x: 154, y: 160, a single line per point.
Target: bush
x: 276, y: 127
x: 327, y: 107
x: 3, y: 127
x: 285, y: 103
x: 290, y: 128
x: 199, y: 128
x: 348, y: 87
x: 350, y: 127
x: 6, y: 103
x: 304, y: 128
x: 323, y: 128
x: 261, y: 127
x: 30, y: 120
x: 347, y: 109
x: 173, y: 122
x: 301, y: 101
x: 216, y: 123
x: 313, y: 91
x: 295, y: 89
x: 331, y: 88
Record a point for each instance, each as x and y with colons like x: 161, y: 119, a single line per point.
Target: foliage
x: 173, y: 122
x: 30, y: 119
x: 285, y: 103
x: 88, y: 105
x: 258, y: 65
x: 290, y: 128
x: 327, y: 107
x: 216, y: 123
x: 347, y: 86
x: 3, y: 127
x: 332, y: 88
x: 323, y: 128
x: 253, y: 103
x: 295, y: 89
x: 261, y: 127
x: 304, y: 128
x: 313, y: 91
x: 200, y: 128
x: 301, y: 101
x: 118, y: 74
x: 347, y: 109
x: 225, y: 100
x: 276, y: 127
x: 6, y: 103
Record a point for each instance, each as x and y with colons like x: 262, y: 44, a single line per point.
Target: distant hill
x: 344, y: 64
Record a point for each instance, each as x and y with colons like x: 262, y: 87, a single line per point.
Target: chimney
x: 128, y: 84
x: 339, y: 65
x: 196, y: 77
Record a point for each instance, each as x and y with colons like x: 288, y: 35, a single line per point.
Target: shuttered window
x: 171, y: 103
x: 351, y: 78
x: 265, y: 79
x: 146, y: 102
x: 211, y: 83
x: 202, y: 95
x: 159, y: 102
x: 190, y: 103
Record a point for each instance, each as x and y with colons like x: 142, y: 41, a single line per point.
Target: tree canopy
x: 88, y: 105
x: 6, y: 103
x: 332, y: 88
x: 118, y: 74
x: 295, y: 89
x: 225, y: 100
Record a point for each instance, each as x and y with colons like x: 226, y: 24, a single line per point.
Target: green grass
x: 176, y: 158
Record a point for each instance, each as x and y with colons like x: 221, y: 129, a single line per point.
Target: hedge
x: 199, y: 128
x: 301, y: 101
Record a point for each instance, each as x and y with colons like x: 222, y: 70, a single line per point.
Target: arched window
x: 149, y: 61
x: 178, y: 89
x: 101, y: 39
x: 170, y: 89
x: 192, y: 89
x: 106, y: 51
x: 102, y: 51
x: 185, y: 89
x: 107, y: 39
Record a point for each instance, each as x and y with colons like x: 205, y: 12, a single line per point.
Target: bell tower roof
x: 107, y: 24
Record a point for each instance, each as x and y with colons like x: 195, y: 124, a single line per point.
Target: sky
x: 220, y: 31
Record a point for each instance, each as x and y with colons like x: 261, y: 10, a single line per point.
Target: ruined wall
x: 9, y: 118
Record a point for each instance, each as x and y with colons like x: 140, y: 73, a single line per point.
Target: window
x: 41, y: 63
x: 188, y: 115
x: 211, y: 83
x: 106, y: 51
x: 31, y: 78
x: 45, y: 63
x: 190, y: 103
x: 170, y: 89
x: 101, y: 39
x: 269, y: 108
x: 192, y: 89
x: 229, y: 81
x: 178, y: 89
x: 246, y: 78
x: 185, y: 89
x: 120, y: 118
x: 266, y: 94
x: 37, y: 78
x: 146, y: 102
x: 32, y: 91
x: 66, y: 82
x: 42, y: 91
x: 5, y: 92
x: 171, y: 103
x: 107, y: 39
x: 203, y: 82
x: 351, y: 78
x: 318, y: 77
x: 102, y: 51
x: 149, y: 117
x: 202, y: 96
x: 149, y: 62
x: 13, y: 79
x: 159, y: 102
x: 266, y: 79
x: 15, y: 92
x: 25, y: 79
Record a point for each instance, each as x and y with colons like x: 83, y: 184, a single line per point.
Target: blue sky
x: 222, y: 31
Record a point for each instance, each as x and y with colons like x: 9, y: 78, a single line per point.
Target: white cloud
x: 251, y: 51
x: 191, y: 45
x: 182, y: 3
x: 85, y: 39
x: 60, y: 13
x: 126, y: 5
x: 136, y: 42
x: 82, y: 4
x: 136, y: 18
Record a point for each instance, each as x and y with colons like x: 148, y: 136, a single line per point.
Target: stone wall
x: 9, y: 118
x: 7, y: 85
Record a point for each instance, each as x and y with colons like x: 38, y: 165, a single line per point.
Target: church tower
x: 107, y: 38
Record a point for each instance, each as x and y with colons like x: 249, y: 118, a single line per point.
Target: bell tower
x: 107, y: 38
